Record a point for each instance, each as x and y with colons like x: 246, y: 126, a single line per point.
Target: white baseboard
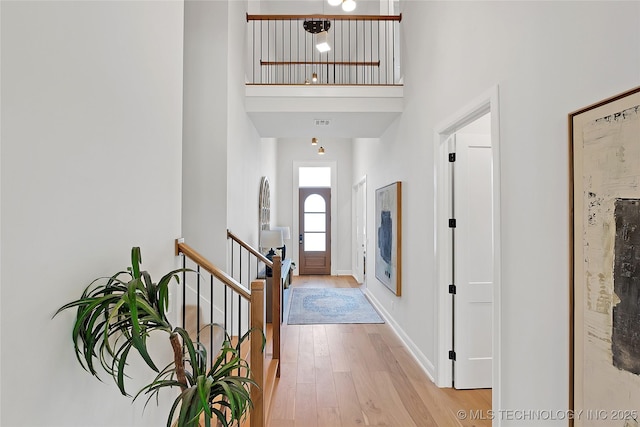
x: 344, y: 273
x: 422, y: 360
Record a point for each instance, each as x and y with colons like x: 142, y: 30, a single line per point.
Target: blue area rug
x: 330, y: 305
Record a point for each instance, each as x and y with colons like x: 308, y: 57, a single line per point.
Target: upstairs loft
x: 323, y: 75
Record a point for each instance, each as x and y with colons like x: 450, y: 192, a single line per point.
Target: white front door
x: 473, y: 255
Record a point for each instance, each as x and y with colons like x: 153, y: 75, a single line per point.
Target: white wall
x: 249, y: 157
x: 548, y: 58
x: 363, y: 7
x: 224, y: 157
x: 90, y: 166
x: 292, y: 150
x: 204, y: 203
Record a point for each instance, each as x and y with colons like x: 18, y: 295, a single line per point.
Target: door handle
x: 300, y: 239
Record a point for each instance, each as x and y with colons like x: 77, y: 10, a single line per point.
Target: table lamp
x: 286, y: 235
x: 270, y: 239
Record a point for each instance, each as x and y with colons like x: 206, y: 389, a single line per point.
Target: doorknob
x: 300, y: 239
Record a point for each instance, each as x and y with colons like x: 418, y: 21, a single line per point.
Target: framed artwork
x: 605, y: 241
x: 389, y: 236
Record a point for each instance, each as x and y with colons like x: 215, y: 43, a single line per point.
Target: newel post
x: 276, y: 308
x: 257, y: 355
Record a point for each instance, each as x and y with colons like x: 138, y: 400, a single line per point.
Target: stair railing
x: 221, y: 299
x: 247, y: 264
x: 363, y: 49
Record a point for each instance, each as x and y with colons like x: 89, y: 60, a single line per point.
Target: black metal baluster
x: 211, y: 321
x: 364, y: 54
x: 393, y: 57
x: 232, y: 265
x: 350, y: 58
x: 230, y: 308
x: 378, y: 52
x: 198, y: 305
x: 306, y: 71
x: 225, y: 308
x: 371, y: 52
x: 249, y: 278
x: 334, y: 53
x: 184, y: 290
x: 239, y: 317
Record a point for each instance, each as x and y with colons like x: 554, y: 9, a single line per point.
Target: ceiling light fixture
x: 322, y: 42
x: 321, y: 151
x: 315, y: 26
x: 314, y: 77
x: 347, y: 5
x: 320, y: 28
x: 314, y: 141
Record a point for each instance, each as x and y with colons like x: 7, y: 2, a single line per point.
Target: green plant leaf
x: 121, y: 364
x: 186, y: 407
x: 136, y: 332
x: 119, y: 313
x: 136, y: 260
x: 204, y: 389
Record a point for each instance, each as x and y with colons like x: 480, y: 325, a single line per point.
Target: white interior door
x: 473, y: 259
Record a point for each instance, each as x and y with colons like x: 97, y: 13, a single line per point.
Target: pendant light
x: 347, y: 5
x: 314, y: 141
x: 322, y: 42
x: 321, y: 151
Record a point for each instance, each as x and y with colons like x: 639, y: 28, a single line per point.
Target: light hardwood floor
x: 346, y: 375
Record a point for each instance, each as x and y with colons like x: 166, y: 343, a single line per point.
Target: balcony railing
x: 365, y: 49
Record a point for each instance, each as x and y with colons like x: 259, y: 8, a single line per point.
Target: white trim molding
x: 422, y: 360
x: 487, y: 102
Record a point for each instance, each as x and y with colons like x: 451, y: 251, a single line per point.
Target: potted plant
x: 117, y: 314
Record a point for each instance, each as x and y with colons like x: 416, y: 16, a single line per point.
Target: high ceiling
x: 323, y: 111
x: 294, y: 7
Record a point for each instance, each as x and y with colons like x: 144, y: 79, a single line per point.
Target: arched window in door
x: 315, y: 223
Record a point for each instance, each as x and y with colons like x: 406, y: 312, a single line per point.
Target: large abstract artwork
x: 388, y: 236
x: 605, y: 351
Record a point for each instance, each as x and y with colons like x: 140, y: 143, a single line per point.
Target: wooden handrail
x: 191, y: 253
x: 257, y: 254
x: 351, y: 63
x: 276, y: 293
x: 337, y: 84
x: 322, y: 16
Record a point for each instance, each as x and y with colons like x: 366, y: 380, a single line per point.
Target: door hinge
x: 452, y: 355
x: 452, y: 223
x: 452, y: 157
x: 452, y: 289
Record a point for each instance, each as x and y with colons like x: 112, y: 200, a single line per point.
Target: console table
x: 285, y: 281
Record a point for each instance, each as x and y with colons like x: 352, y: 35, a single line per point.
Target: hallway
x: 360, y: 375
